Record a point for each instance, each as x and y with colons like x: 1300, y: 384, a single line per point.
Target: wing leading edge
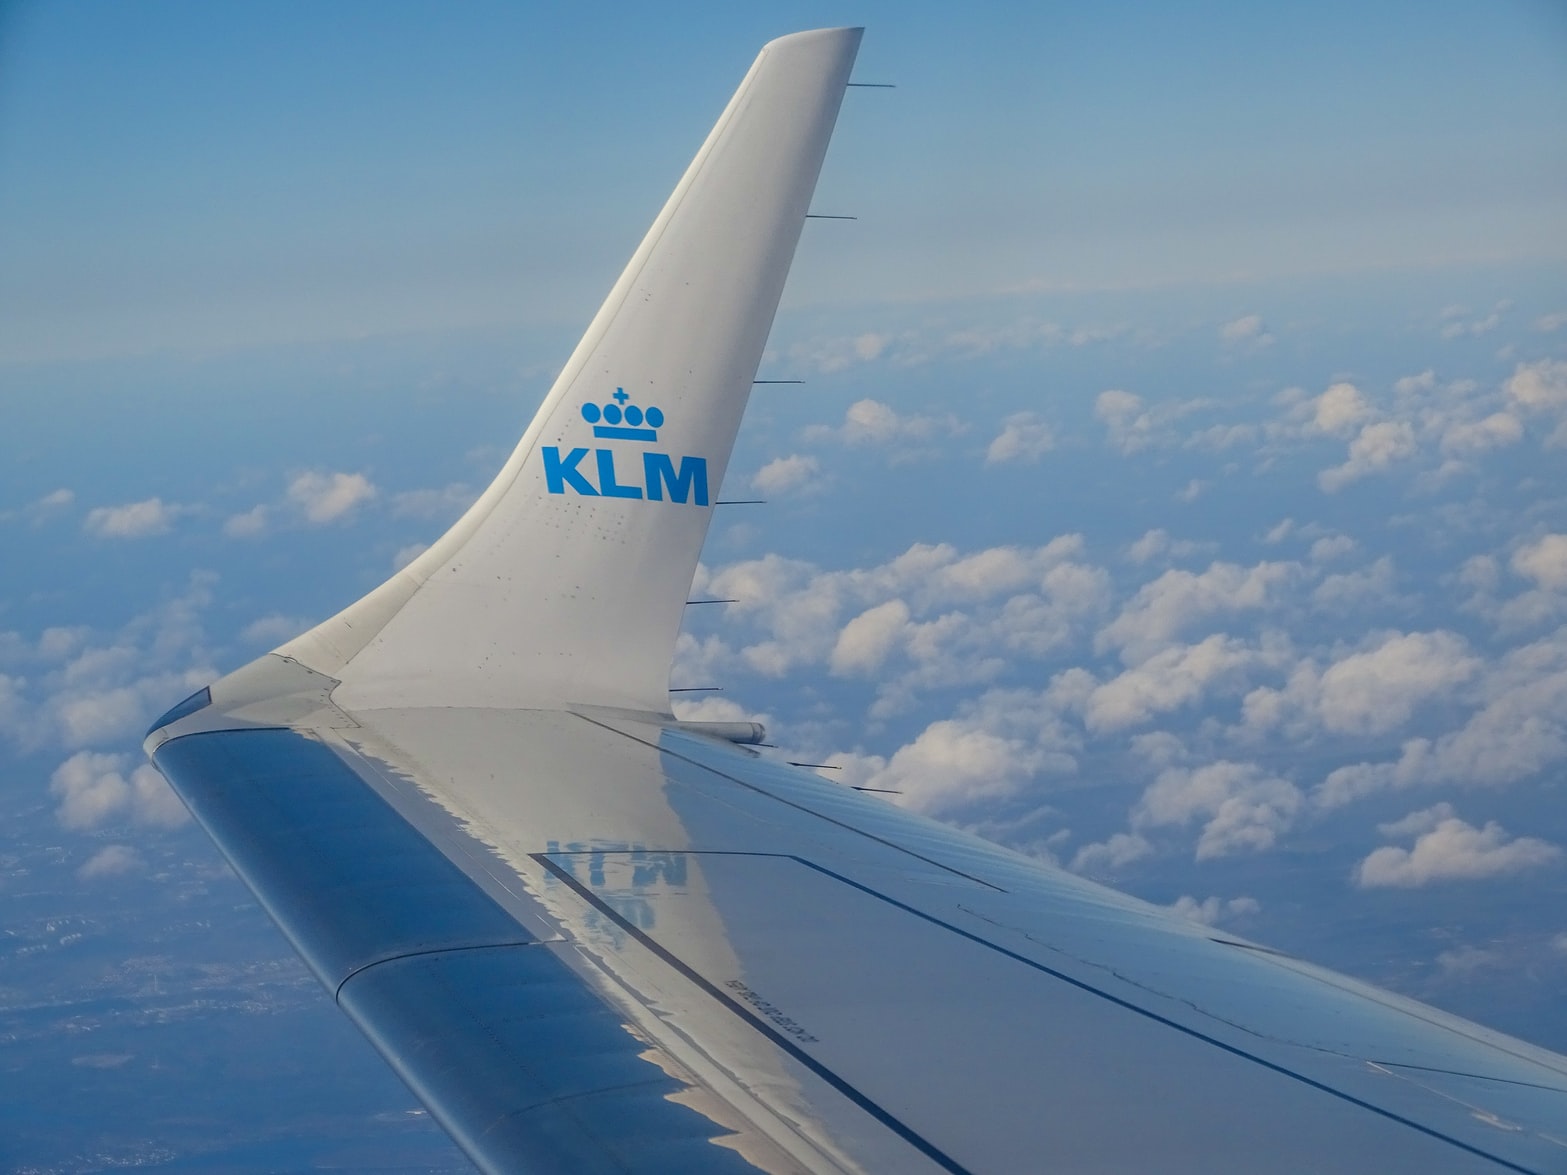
x: 591, y: 938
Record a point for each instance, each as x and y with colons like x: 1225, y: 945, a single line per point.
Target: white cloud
x: 870, y: 422
x: 1120, y: 410
x: 1448, y: 849
x: 90, y: 690
x: 1415, y: 385
x: 133, y: 520
x: 1519, y: 730
x: 1377, y: 447
x: 1180, y: 599
x: 710, y: 708
x: 1279, y: 532
x: 1133, y: 427
x: 1248, y: 330
x: 1458, y: 328
x: 94, y: 790
x: 966, y: 613
x: 1212, y: 911
x: 786, y: 473
x: 1465, y: 961
x: 1170, y: 679
x: 273, y: 629
x: 1373, y: 691
x: 1023, y: 437
x: 950, y: 763
x: 90, y: 787
x: 988, y: 751
x: 1544, y: 561
x: 1461, y: 419
x: 916, y: 346
x: 1219, y: 437
x: 1243, y: 808
x: 1325, y: 550
x: 1418, y: 823
x: 1539, y: 387
x: 1157, y: 544
x: 1549, y: 323
x: 99, y: 715
x: 1376, y: 691
x: 328, y: 497
x: 42, y: 509
x: 1363, y: 587
x: 111, y: 861
x: 866, y: 641
x: 247, y: 524
x: 838, y: 354
x: 1099, y: 859
x: 1339, y: 410
x: 59, y: 642
x: 1470, y: 437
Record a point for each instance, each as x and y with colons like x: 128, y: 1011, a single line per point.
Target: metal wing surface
x: 593, y: 938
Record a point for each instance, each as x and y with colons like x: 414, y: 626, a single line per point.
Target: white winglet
x: 565, y: 582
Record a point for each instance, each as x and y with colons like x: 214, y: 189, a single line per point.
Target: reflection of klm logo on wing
x: 620, y: 421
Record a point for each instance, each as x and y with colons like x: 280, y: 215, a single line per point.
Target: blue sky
x: 1175, y: 492
x: 186, y: 175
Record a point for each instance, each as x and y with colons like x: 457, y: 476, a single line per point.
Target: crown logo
x: 622, y: 421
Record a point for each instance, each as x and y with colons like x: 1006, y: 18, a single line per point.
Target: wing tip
x: 807, y: 36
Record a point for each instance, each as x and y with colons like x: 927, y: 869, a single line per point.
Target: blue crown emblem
x: 622, y: 421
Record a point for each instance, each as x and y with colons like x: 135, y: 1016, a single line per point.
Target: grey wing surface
x: 590, y: 937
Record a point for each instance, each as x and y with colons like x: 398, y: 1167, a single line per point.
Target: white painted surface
x: 540, y: 598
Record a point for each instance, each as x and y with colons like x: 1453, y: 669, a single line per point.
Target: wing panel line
x: 897, y: 1126
x: 337, y: 991
x: 865, y: 1103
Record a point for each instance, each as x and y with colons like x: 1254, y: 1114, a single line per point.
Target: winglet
x: 564, y: 583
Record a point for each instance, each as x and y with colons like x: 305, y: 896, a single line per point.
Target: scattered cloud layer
x: 247, y: 524
x: 1023, y: 437
x: 784, y: 474
x: 133, y: 520
x: 1211, y: 911
x: 42, y: 510
x: 1448, y: 849
x: 1248, y: 331
x: 920, y: 346
x: 1134, y: 426
x: 329, y: 497
x: 96, y: 789
x: 111, y: 861
x: 870, y: 422
x: 1389, y: 628
x: 74, y: 688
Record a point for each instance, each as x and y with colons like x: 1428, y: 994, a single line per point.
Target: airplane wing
x: 592, y: 938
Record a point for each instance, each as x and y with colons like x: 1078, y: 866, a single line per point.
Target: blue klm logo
x: 621, y: 421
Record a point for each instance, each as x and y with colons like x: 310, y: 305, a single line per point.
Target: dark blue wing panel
x: 511, y: 1051
x: 342, y: 873
x: 555, y: 1068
